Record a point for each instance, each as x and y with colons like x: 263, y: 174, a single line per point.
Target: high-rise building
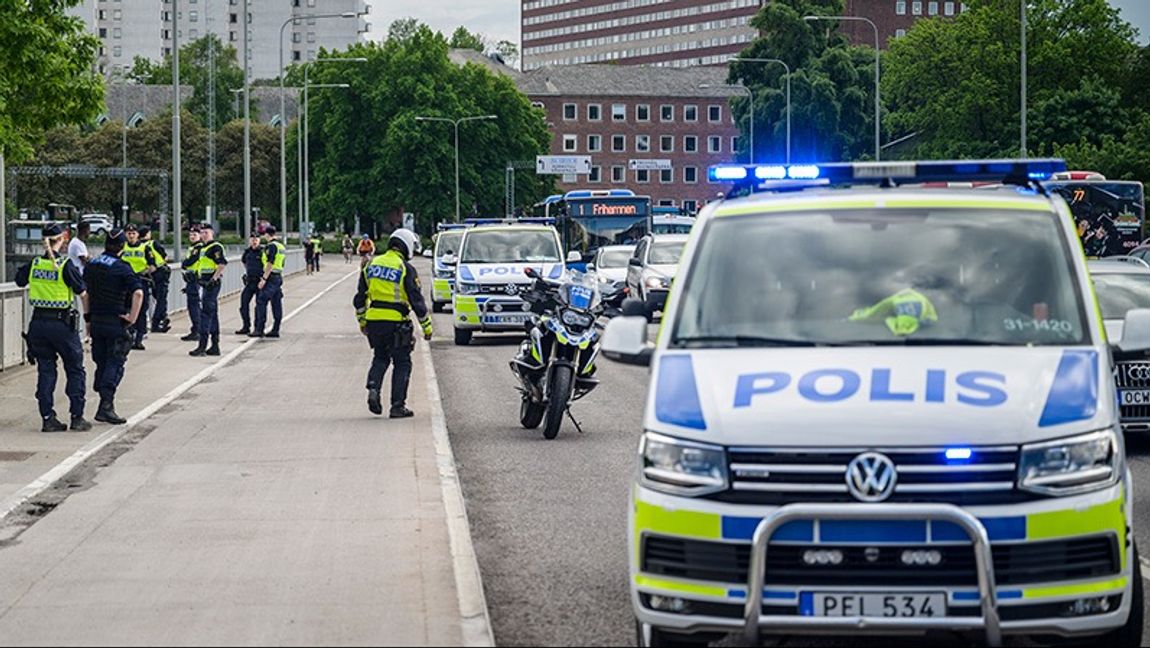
x: 682, y: 33
x: 131, y: 28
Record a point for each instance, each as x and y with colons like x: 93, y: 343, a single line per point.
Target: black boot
x: 244, y: 330
x: 107, y: 414
x: 80, y: 425
x: 256, y: 334
x: 273, y: 333
x: 399, y: 411
x: 373, y: 402
x: 214, y: 350
x: 53, y: 424
x: 191, y: 337
x: 200, y: 350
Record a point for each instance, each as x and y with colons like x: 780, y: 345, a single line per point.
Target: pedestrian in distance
x: 117, y: 297
x: 78, y: 246
x: 52, y: 279
x: 139, y: 255
x: 211, y: 268
x: 317, y: 243
x: 190, y: 267
x: 253, y: 274
x: 347, y: 247
x: 366, y: 250
x: 309, y: 255
x: 389, y: 292
x: 161, y: 279
x: 271, y: 283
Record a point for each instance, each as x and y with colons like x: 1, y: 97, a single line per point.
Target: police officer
x: 52, y: 279
x: 139, y: 255
x: 253, y: 273
x: 389, y: 291
x: 271, y: 285
x: 117, y: 297
x: 161, y: 278
x: 211, y: 268
x: 190, y: 266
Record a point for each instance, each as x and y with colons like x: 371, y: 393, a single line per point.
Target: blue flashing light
x: 803, y: 172
x: 896, y: 172
x: 771, y: 172
x: 958, y: 454
x: 728, y: 173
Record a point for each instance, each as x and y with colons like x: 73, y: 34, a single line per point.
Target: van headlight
x: 1071, y: 466
x: 681, y: 467
x: 467, y: 288
x: 656, y: 282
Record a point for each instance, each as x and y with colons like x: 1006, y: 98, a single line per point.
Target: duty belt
x: 403, y: 309
x: 62, y: 314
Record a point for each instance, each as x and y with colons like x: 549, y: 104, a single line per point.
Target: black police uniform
x: 161, y: 280
x: 210, y: 301
x: 273, y: 294
x: 51, y: 334
x: 111, y: 284
x: 253, y: 272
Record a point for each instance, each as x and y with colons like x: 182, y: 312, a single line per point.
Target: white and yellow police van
x: 444, y: 258
x: 908, y: 424
x: 490, y: 274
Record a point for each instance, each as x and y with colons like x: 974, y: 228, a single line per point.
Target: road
x: 549, y: 518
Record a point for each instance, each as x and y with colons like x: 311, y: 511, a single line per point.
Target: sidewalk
x: 265, y: 506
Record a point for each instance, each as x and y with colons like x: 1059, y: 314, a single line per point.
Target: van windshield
x: 882, y: 277
x: 448, y: 243
x: 511, y: 246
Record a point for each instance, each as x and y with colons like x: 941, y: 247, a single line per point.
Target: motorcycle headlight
x: 681, y: 467
x: 1071, y: 466
x: 656, y: 282
x: 576, y: 319
x: 467, y: 288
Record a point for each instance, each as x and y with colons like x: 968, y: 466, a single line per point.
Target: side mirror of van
x: 1135, y: 331
x: 449, y: 259
x: 625, y: 340
x: 428, y: 253
x: 574, y: 256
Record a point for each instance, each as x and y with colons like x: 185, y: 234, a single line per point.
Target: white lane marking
x: 45, y: 481
x: 475, y: 622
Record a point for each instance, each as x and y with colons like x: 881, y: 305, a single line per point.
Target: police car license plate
x: 1135, y: 396
x: 506, y: 319
x: 887, y: 606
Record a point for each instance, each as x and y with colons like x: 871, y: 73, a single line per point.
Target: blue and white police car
x: 907, y: 425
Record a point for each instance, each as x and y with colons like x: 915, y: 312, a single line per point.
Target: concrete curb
x: 475, y: 622
x: 45, y: 481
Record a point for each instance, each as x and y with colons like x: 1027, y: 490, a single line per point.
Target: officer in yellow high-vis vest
x: 161, y: 280
x: 52, y: 279
x: 210, y: 268
x: 138, y: 254
x: 271, y: 286
x: 389, y: 291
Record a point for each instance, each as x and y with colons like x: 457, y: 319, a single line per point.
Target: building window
x: 642, y: 143
x: 596, y: 174
x: 618, y: 112
x: 117, y: 51
x: 899, y: 33
x: 232, y: 37
x: 594, y: 112
x: 193, y: 34
x: 194, y: 16
x: 594, y: 143
x: 618, y: 174
x: 900, y: 7
x: 297, y: 37
x: 233, y: 18
x: 570, y: 113
x: 642, y: 176
x: 666, y: 176
x: 102, y: 14
x: 714, y: 114
x: 116, y: 14
x: 948, y: 8
x: 690, y: 144
x: 690, y: 113
x: 690, y: 206
x: 932, y: 8
x: 667, y: 144
x: 311, y: 3
x: 691, y: 175
x: 714, y: 144
x: 916, y: 7
x: 311, y: 37
x: 735, y: 144
x: 643, y: 113
x: 116, y: 32
x: 618, y: 143
x: 666, y: 113
x: 570, y: 143
x: 103, y: 32
x: 294, y: 54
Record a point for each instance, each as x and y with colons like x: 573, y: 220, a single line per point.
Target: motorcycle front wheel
x: 560, y: 391
x: 531, y: 413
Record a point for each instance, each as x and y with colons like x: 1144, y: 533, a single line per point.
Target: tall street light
x: 456, y: 123
x: 751, y: 95
x: 247, y: 121
x: 1023, y: 74
x: 283, y: 110
x: 877, y: 99
x: 306, y: 159
x: 177, y: 198
x: 788, y: 69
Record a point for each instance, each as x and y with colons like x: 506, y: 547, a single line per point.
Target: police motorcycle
x: 556, y: 364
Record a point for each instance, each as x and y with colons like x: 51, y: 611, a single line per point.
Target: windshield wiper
x: 960, y: 342
x: 736, y: 341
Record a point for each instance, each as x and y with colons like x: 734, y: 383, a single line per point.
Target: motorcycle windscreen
x: 580, y: 297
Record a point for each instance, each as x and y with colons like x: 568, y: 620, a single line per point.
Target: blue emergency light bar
x: 447, y: 227
x: 890, y: 172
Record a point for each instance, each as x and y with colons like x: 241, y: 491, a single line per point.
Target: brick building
x: 617, y: 114
x: 682, y: 33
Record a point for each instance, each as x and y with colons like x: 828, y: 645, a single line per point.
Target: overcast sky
x: 499, y: 19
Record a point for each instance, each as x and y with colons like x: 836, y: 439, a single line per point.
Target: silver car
x: 1123, y: 284
x: 652, y: 269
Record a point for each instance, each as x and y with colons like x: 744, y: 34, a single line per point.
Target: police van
x: 490, y: 273
x: 444, y: 259
x: 908, y: 425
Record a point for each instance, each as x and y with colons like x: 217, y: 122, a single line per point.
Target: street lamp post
x: 877, y: 99
x: 456, y: 123
x: 788, y: 69
x: 306, y: 160
x: 283, y: 110
x: 751, y: 95
x: 177, y: 198
x: 1023, y: 79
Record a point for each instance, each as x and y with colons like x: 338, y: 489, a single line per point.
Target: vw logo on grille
x: 871, y: 477
x: 511, y: 289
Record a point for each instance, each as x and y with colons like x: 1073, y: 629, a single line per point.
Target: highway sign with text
x: 563, y: 164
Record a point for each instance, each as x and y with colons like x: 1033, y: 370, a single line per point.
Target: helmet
x: 409, y: 240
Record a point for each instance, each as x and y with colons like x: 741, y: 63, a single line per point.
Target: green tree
x: 47, y: 77
x: 508, y: 51
x: 265, y: 144
x: 194, y: 68
x: 464, y: 39
x: 831, y: 87
x: 403, y: 29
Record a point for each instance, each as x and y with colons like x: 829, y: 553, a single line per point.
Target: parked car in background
x: 98, y: 223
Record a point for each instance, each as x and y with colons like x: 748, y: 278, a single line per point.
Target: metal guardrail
x: 15, y: 312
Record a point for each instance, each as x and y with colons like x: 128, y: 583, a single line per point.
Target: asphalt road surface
x: 549, y: 518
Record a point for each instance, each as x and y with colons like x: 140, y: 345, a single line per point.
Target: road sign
x: 650, y: 165
x: 563, y: 164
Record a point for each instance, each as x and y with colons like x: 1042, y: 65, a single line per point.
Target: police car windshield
x: 665, y: 253
x: 448, y: 243
x: 883, y: 277
x: 511, y: 246
x: 1121, y: 292
x: 615, y: 257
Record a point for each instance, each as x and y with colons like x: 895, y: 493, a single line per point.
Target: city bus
x: 1110, y: 214
x: 589, y: 219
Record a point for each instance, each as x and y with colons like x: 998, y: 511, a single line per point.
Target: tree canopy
x: 194, y: 71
